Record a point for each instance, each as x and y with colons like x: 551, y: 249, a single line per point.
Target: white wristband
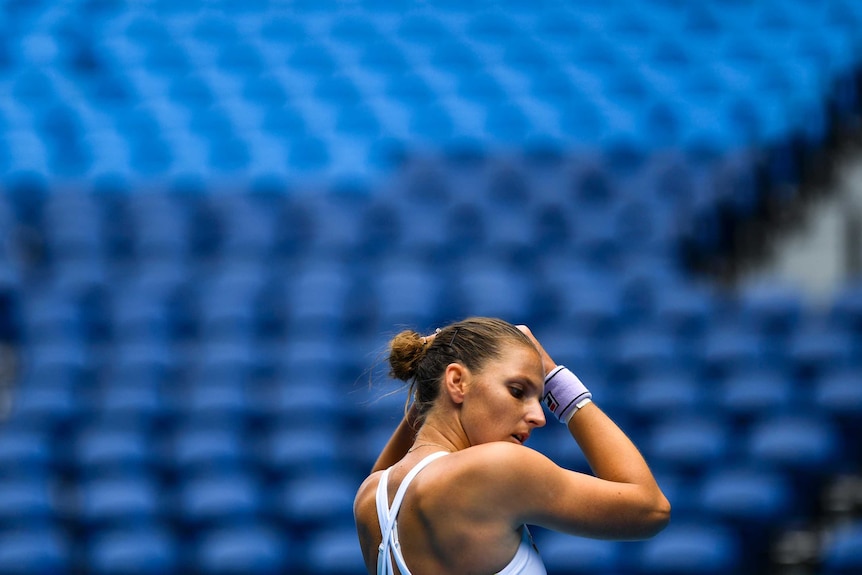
x: 564, y: 394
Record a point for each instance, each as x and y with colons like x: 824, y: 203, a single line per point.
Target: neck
x: 437, y: 433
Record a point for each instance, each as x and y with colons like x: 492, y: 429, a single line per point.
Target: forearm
x: 610, y: 453
x: 400, y: 441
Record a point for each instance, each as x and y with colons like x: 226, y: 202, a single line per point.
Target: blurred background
x: 214, y: 214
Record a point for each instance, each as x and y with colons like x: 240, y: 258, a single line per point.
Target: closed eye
x: 516, y: 392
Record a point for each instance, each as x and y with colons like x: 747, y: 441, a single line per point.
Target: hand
x: 547, y: 363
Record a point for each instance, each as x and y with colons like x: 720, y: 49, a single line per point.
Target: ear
x: 455, y: 380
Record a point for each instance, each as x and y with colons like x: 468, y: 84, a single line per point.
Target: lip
x: 521, y: 438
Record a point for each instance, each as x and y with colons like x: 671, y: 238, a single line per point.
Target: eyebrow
x: 525, y: 379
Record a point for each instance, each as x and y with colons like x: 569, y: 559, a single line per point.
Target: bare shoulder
x: 365, y: 515
x: 502, y: 460
x: 495, y: 476
x: 365, y: 495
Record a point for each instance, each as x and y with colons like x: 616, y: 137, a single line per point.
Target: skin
x: 480, y: 496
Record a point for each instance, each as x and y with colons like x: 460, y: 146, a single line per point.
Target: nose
x: 536, y: 414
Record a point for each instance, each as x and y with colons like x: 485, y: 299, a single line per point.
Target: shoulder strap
x: 386, y: 516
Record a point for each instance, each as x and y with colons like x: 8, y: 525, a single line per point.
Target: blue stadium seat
x: 662, y: 393
x: 282, y: 455
x: 50, y: 316
x: 322, y: 353
x: 493, y: 289
x: 266, y: 90
x: 118, y: 501
x: 225, y: 359
x: 120, y: 400
x: 191, y: 91
x: 748, y: 497
x: 587, y: 298
x: 481, y: 88
x: 26, y: 450
x: 422, y: 29
x: 686, y: 311
x: 104, y: 449
x: 843, y: 550
x: 694, y: 444
x: 221, y: 314
x: 48, y: 407
x: 213, y: 28
x: 755, y: 393
x: 312, y: 58
x: 317, y: 297
x: 27, y: 501
x: 686, y: 548
x: 221, y: 402
x: 353, y: 29
x: 808, y: 445
x: 202, y: 447
x: 255, y: 549
x: 358, y: 121
x: 406, y: 294
x: 524, y: 54
x: 225, y: 500
x: 285, y: 121
x: 160, y: 228
x: 334, y: 551
x: 838, y: 394
x: 816, y: 348
x: 211, y: 123
x: 409, y: 88
x: 56, y: 363
x: 37, y: 550
x: 846, y: 307
x: 642, y: 352
x: 358, y: 452
x: 384, y: 57
x: 731, y: 348
x: 563, y: 553
x: 771, y: 307
x: 494, y: 28
x: 314, y: 501
x: 73, y: 227
x: 240, y: 58
x: 336, y: 89
x: 145, y: 364
x: 282, y: 29
x: 682, y: 492
x: 292, y: 399
x: 128, y: 550
x: 431, y: 122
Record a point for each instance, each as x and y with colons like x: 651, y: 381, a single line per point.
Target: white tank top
x: 525, y: 562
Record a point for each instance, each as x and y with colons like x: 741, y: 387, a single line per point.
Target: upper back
x: 449, y: 511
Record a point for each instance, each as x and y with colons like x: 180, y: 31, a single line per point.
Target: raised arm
x: 398, y: 444
x: 622, y: 501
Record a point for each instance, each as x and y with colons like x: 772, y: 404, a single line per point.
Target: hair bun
x: 406, y: 350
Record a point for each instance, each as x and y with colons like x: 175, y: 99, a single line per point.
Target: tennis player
x: 455, y: 487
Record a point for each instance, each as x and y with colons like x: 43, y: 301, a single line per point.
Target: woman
x: 454, y: 488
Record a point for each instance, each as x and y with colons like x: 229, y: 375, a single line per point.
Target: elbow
x: 658, y: 517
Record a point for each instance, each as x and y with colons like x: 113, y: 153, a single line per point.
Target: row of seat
x: 602, y: 204
x: 132, y: 106
x: 647, y: 318
x: 681, y: 443
x: 259, y: 549
x: 256, y: 548
x: 634, y: 355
